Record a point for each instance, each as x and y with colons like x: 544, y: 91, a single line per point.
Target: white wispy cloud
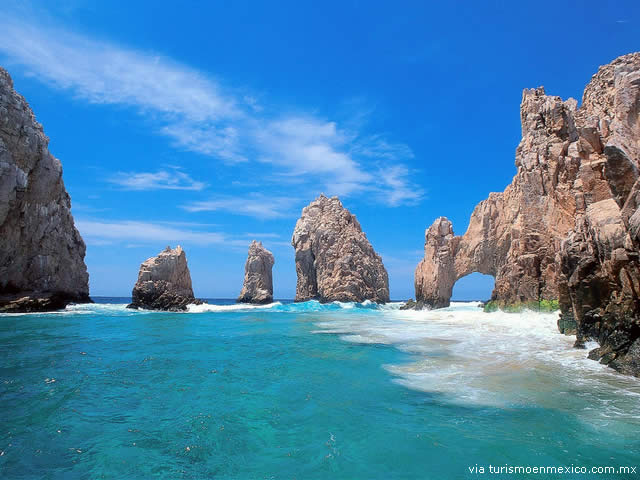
x: 399, y: 190
x: 102, y: 232
x: 187, y: 101
x: 168, y: 179
x: 253, y: 205
x: 197, y: 113
x: 309, y: 146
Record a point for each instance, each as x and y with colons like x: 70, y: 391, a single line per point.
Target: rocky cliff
x: 566, y: 227
x: 514, y: 235
x: 258, y: 280
x: 41, y: 252
x: 599, y: 289
x: 334, y: 259
x: 164, y: 282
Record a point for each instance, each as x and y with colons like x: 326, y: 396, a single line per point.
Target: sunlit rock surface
x: 164, y: 282
x: 258, y: 279
x: 567, y: 226
x: 41, y: 252
x: 334, y: 259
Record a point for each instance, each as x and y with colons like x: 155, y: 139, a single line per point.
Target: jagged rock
x: 164, y: 282
x: 334, y: 259
x: 41, y: 253
x: 437, y: 270
x: 513, y: 235
x: 411, y: 304
x: 258, y: 280
x: 600, y: 286
x: 567, y: 227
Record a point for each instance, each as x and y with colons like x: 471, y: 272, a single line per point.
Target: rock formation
x: 567, y: 226
x: 164, y: 282
x: 41, y: 252
x: 334, y: 259
x: 258, y: 280
x: 514, y: 235
x: 600, y: 286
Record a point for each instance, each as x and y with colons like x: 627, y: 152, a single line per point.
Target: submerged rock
x: 411, y: 304
x: 567, y: 227
x: 258, y: 279
x: 164, y: 282
x: 41, y: 253
x: 334, y: 259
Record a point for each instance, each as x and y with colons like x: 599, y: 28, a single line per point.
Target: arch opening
x: 473, y: 287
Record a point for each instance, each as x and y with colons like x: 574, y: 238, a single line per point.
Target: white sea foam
x: 206, y: 307
x: 497, y: 358
x: 81, y: 309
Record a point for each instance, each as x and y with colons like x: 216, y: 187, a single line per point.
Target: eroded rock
x: 41, y: 253
x: 334, y: 259
x: 258, y: 279
x: 164, y: 282
x: 567, y: 227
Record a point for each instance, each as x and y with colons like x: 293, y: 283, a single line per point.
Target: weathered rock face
x: 164, y: 282
x: 437, y: 269
x: 41, y: 252
x: 258, y: 279
x: 567, y: 226
x: 334, y: 259
x: 515, y: 235
x: 600, y: 286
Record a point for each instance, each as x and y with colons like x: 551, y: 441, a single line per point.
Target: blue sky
x: 213, y: 124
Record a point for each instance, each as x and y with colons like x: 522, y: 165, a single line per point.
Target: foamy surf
x: 494, y: 359
x: 206, y: 307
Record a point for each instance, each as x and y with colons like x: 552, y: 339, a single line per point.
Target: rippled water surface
x: 304, y: 391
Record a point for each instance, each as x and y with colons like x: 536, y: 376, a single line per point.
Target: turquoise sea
x: 305, y: 391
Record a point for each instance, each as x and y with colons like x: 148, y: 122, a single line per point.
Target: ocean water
x: 305, y: 391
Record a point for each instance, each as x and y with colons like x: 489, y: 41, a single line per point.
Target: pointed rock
x: 334, y: 259
x: 164, y: 282
x: 41, y: 253
x: 258, y: 279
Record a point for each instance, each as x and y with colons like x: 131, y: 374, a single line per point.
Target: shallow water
x: 304, y: 391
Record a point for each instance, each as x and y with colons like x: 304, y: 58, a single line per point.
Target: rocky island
x: 164, y: 282
x: 567, y: 226
x: 334, y: 259
x: 41, y: 253
x: 258, y: 280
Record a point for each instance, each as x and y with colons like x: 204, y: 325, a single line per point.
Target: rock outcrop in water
x: 567, y: 226
x: 164, y: 282
x: 41, y: 253
x: 258, y: 279
x: 600, y: 286
x: 334, y: 259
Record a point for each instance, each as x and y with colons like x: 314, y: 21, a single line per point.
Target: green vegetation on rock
x: 543, y: 305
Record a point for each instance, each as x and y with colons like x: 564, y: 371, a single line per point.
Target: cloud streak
x: 197, y: 113
x: 169, y: 179
x: 101, y: 232
x: 252, y: 205
x: 131, y: 232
